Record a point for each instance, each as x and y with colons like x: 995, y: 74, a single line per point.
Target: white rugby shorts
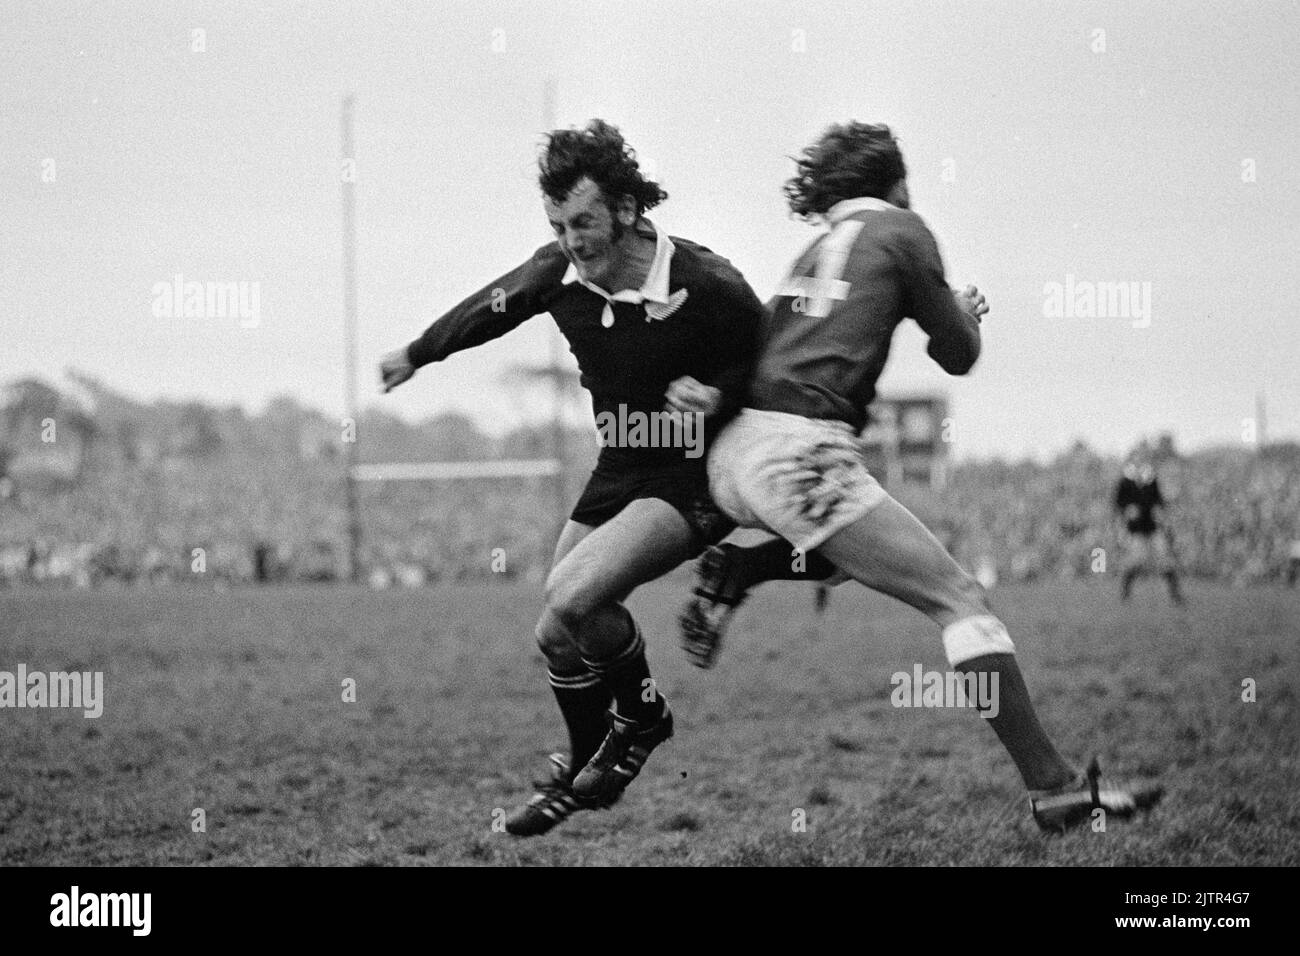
x: 802, y: 478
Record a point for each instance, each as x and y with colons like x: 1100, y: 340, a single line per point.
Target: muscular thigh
x: 889, y: 550
x: 570, y: 536
x: 645, y: 540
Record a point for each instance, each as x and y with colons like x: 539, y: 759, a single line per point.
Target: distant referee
x: 1146, y: 544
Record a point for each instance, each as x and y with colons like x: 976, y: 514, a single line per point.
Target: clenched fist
x: 971, y: 300
x: 688, y: 395
x: 394, y: 369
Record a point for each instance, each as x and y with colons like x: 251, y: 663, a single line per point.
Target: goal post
x: 462, y: 502
x: 457, y: 470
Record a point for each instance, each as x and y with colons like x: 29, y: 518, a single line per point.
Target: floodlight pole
x: 347, y: 171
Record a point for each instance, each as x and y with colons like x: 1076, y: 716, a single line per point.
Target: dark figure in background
x: 1146, y: 544
x: 266, y: 564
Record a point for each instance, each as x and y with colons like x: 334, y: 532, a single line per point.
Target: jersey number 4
x: 817, y: 294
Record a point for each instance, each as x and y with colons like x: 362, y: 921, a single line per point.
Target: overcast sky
x: 1045, y: 140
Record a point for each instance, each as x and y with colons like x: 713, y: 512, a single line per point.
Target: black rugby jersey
x: 1134, y: 490
x: 707, y: 329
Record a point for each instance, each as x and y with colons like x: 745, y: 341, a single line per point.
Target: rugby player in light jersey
x: 658, y: 325
x: 790, y: 463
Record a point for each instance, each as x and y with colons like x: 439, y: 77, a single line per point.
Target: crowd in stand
x: 133, y: 493
x: 1234, y: 517
x: 245, y: 528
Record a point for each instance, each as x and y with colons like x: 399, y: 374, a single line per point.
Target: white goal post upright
x: 347, y: 178
x: 454, y: 470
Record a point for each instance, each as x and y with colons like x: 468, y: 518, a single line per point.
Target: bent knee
x: 568, y: 600
x: 970, y: 598
x: 954, y: 597
x: 556, y: 641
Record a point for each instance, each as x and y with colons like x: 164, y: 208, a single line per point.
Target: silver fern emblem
x: 661, y: 310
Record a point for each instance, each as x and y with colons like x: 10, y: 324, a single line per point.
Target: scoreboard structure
x: 908, y: 439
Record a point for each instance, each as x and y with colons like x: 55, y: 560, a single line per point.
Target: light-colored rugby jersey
x: 826, y: 339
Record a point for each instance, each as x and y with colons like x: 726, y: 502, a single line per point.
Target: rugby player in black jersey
x: 664, y: 332
x: 1145, y: 539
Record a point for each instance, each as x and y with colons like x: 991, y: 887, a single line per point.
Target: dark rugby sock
x: 627, y: 675
x: 584, y: 701
x: 775, y: 561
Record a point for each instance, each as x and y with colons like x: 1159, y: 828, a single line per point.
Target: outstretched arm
x: 489, y: 313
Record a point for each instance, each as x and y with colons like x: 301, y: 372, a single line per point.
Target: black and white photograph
x: 650, y: 434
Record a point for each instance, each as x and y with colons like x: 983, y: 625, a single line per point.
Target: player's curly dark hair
x: 597, y: 152
x: 848, y: 161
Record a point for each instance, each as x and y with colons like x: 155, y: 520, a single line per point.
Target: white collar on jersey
x: 655, y: 287
x: 848, y: 207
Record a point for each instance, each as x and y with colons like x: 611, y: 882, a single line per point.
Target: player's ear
x: 899, y: 196
x: 626, y: 211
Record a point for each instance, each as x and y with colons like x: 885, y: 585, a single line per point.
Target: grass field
x: 232, y: 702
